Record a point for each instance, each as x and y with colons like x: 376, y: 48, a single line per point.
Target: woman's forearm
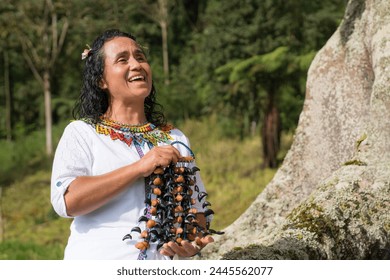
x: 87, y: 193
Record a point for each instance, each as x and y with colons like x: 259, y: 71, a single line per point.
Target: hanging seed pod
x: 151, y: 223
x: 154, y: 202
x: 179, y: 219
x: 179, y: 230
x: 143, y: 245
x: 178, y: 209
x: 157, y: 181
x: 156, y: 191
x: 180, y: 179
x: 193, y: 211
x: 144, y: 234
x: 179, y: 240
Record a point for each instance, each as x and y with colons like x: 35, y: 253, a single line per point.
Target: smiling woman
x: 127, y: 77
x: 99, y: 181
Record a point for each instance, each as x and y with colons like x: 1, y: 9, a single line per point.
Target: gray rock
x: 330, y: 198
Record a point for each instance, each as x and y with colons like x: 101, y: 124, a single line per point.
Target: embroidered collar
x: 139, y: 134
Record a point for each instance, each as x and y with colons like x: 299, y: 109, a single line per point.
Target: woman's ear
x: 103, y: 84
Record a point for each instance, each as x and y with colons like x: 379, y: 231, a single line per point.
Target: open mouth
x: 137, y: 78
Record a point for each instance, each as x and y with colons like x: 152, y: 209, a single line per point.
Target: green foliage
x: 16, y: 250
x: 26, y: 154
x: 203, y: 36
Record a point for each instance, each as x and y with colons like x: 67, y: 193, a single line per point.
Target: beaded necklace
x: 137, y: 134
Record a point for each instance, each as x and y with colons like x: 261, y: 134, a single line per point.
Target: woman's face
x: 127, y: 75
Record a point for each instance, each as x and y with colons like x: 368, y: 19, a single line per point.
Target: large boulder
x: 330, y: 198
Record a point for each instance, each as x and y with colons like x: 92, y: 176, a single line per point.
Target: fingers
x: 185, y: 249
x: 165, y: 155
x: 167, y: 251
x: 206, y: 240
x: 160, y: 156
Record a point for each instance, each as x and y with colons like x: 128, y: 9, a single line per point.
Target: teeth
x: 136, y: 78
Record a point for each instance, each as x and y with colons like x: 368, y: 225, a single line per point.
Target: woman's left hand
x: 185, y: 249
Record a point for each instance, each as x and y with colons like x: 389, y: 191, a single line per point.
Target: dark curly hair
x: 93, y: 101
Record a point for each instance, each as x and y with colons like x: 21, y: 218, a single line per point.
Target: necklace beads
x: 140, y: 134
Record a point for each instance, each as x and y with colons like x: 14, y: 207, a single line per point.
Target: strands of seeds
x: 170, y: 214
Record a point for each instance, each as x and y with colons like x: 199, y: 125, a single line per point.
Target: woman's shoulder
x: 78, y: 127
x: 173, y: 131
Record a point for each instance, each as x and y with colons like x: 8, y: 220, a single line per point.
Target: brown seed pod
x: 186, y: 159
x: 179, y: 198
x: 157, y: 191
x: 157, y: 181
x: 180, y: 179
x: 180, y: 189
x: 193, y: 201
x: 179, y: 219
x: 144, y: 234
x: 193, y: 211
x: 151, y: 223
x: 178, y: 209
x: 142, y: 245
x: 154, y: 202
x: 179, y: 230
x: 179, y: 240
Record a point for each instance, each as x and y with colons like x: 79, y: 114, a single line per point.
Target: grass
x: 230, y: 170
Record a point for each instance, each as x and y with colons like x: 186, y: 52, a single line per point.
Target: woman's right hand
x: 159, y: 156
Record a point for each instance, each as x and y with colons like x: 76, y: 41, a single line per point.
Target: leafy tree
x: 239, y: 34
x: 258, y: 80
x: 42, y: 39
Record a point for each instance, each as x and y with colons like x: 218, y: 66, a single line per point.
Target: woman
x: 103, y: 158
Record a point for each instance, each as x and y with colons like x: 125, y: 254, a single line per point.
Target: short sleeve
x: 73, y: 158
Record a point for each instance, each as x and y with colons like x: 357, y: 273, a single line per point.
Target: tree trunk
x: 164, y: 34
x: 330, y: 198
x: 8, y: 102
x: 48, y: 113
x: 270, y: 134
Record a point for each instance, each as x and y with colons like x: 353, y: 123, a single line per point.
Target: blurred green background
x: 230, y: 74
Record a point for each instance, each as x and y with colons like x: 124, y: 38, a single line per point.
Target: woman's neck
x: 126, y: 115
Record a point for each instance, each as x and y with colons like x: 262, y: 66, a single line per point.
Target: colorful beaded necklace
x: 137, y: 134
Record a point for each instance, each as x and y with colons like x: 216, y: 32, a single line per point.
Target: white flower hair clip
x: 86, y: 52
